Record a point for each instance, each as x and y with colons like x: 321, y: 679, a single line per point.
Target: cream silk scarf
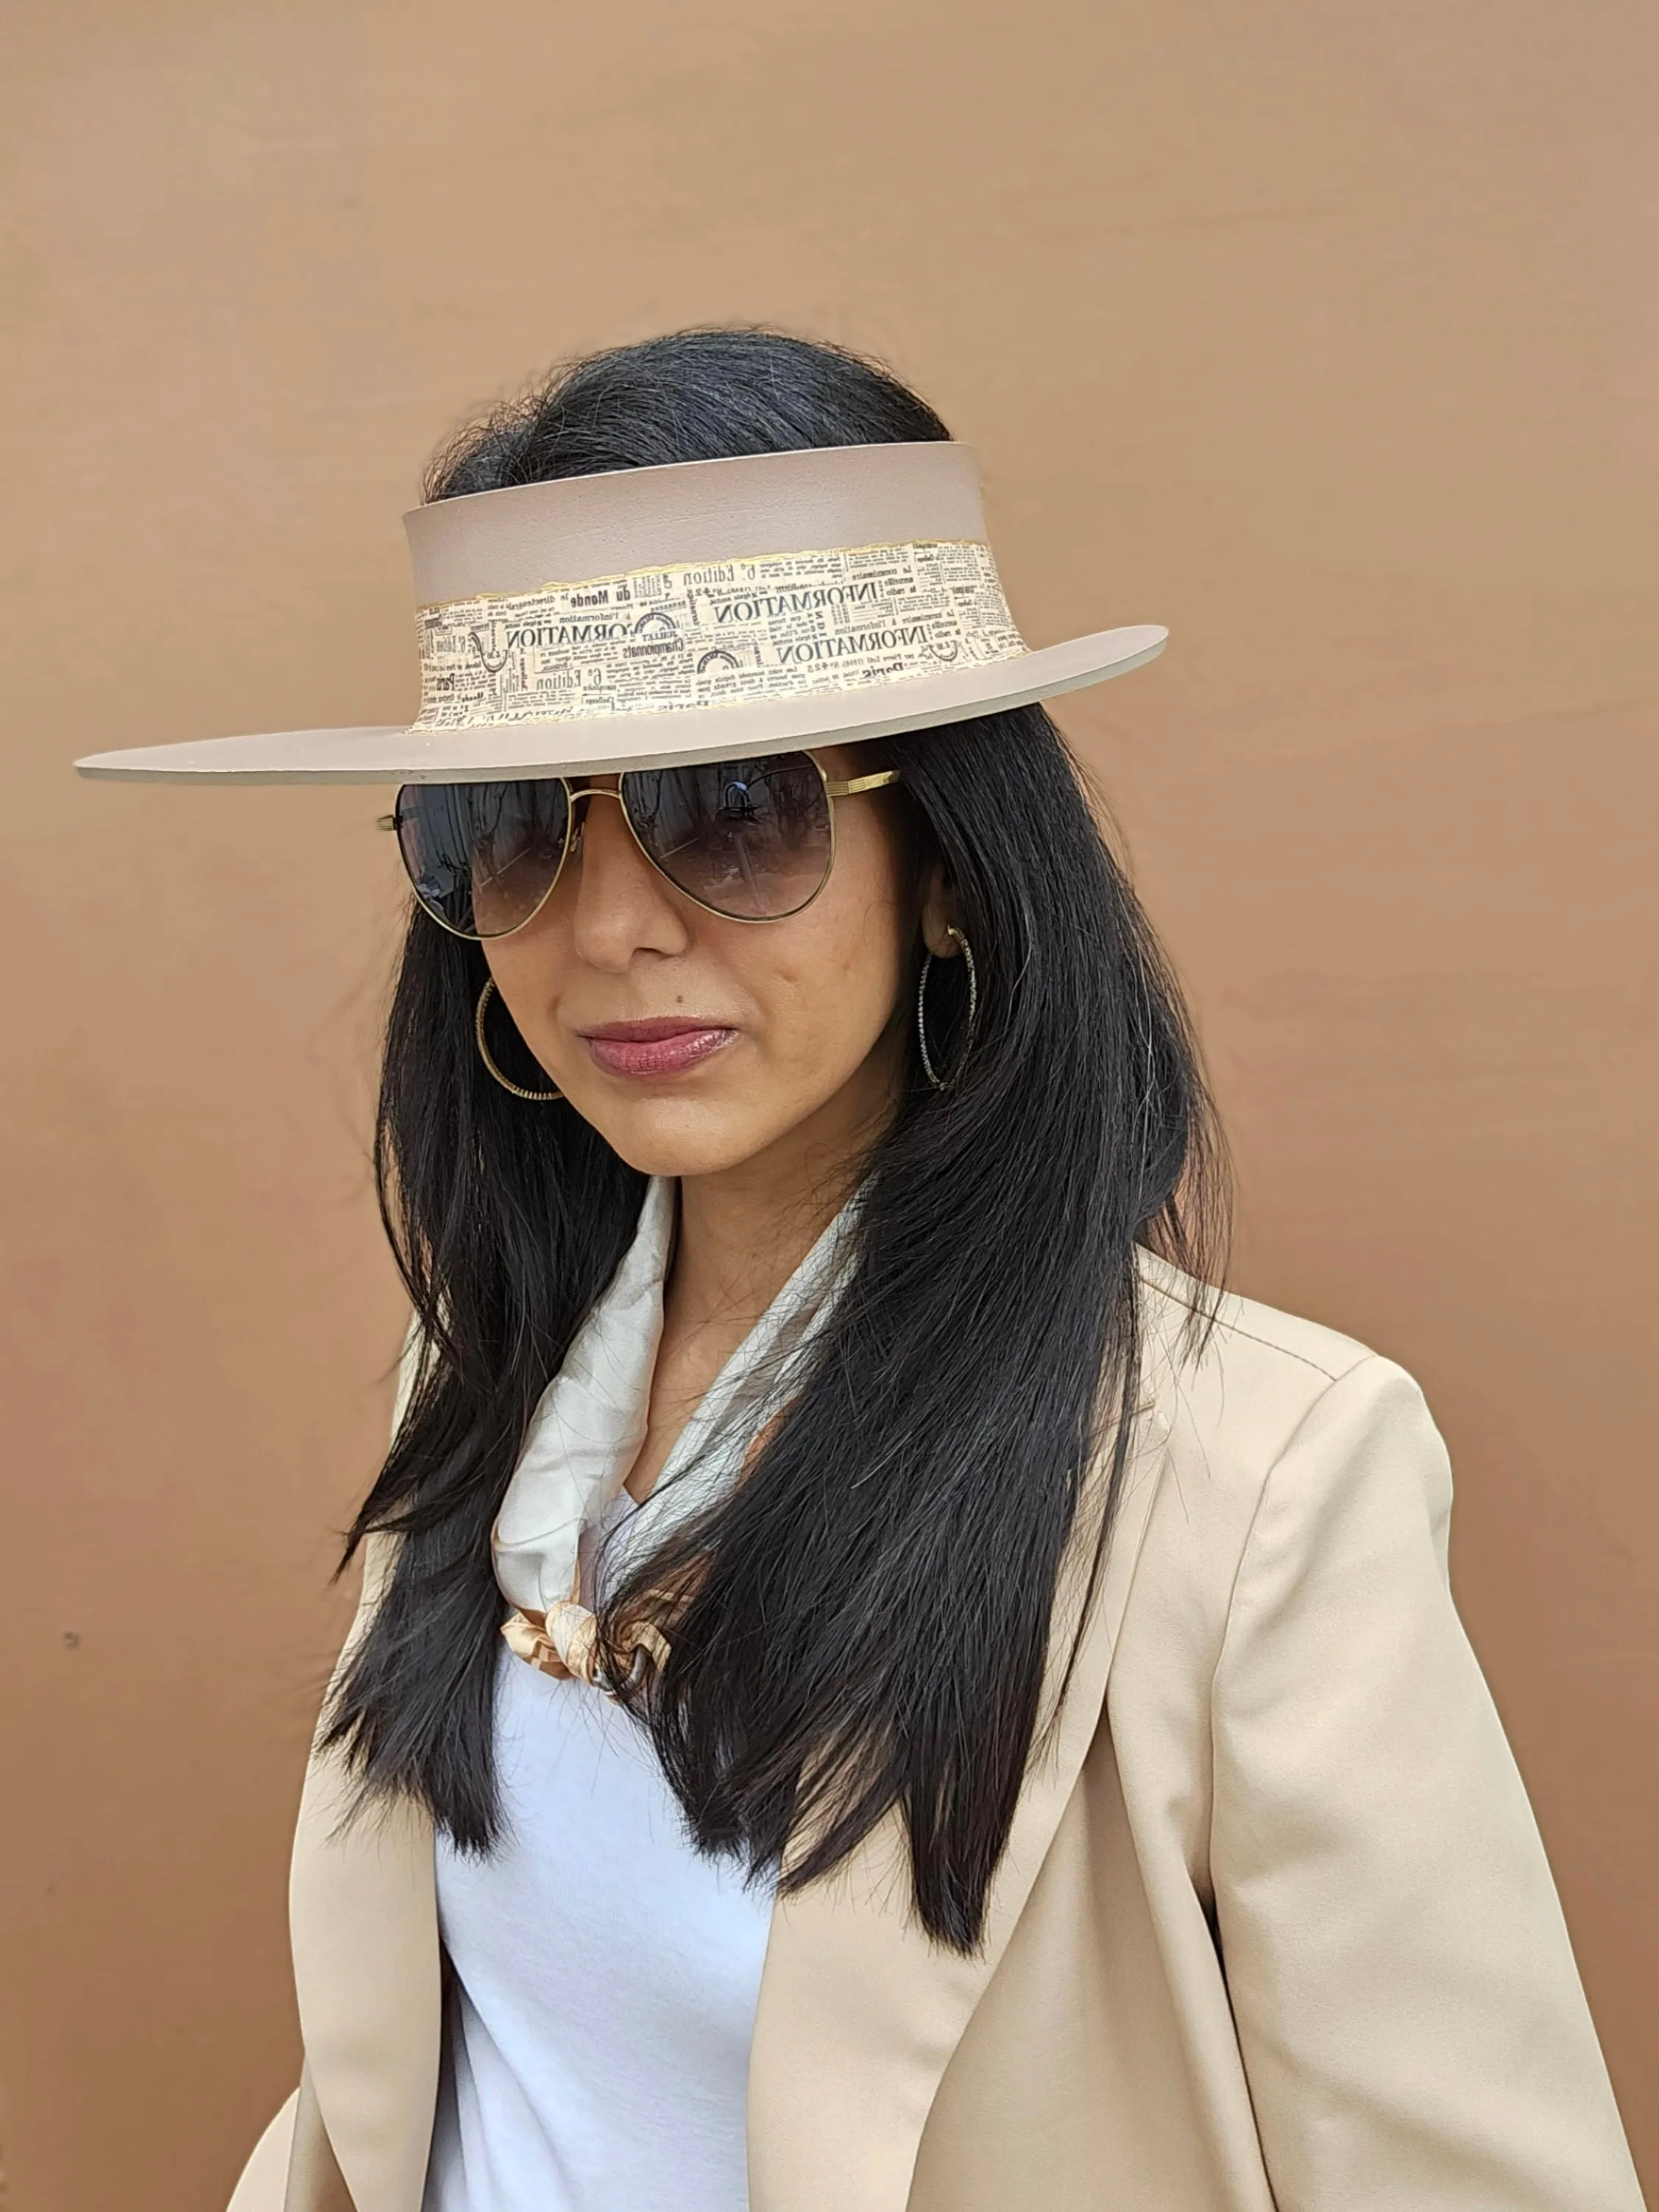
x: 590, y: 1423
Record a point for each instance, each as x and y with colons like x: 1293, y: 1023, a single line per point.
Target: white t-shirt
x: 604, y: 1974
x: 604, y: 1979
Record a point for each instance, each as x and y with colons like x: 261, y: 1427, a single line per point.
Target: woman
x: 873, y: 1688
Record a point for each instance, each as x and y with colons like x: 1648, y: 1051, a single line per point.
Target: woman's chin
x: 667, y: 1135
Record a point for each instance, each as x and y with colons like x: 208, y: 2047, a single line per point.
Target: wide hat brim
x: 393, y: 755
x: 714, y: 600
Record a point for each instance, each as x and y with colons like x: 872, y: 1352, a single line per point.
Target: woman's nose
x: 622, y: 906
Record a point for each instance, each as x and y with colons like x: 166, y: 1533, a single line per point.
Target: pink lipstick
x: 665, y: 1047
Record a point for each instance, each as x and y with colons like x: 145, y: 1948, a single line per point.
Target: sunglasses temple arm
x: 853, y: 785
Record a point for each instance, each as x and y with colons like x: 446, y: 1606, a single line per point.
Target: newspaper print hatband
x: 652, y: 640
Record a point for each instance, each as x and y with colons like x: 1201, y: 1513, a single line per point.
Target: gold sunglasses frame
x: 834, y: 788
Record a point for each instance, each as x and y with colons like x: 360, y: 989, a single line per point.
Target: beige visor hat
x: 705, y: 610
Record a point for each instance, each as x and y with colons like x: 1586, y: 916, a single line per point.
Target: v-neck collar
x: 589, y: 1421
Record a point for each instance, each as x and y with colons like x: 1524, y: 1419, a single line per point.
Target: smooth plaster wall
x: 1323, y: 333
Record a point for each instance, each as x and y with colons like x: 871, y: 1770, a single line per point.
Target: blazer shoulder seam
x: 1288, y: 1351
x: 1222, y: 1321
x: 1333, y: 1382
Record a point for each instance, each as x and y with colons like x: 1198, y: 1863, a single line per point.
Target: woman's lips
x: 664, y: 1047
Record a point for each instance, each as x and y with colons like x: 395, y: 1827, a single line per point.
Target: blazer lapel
x: 860, y: 2012
x: 315, y: 2182
x: 363, y: 1915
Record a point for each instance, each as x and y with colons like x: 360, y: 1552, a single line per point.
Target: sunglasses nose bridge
x: 576, y: 813
x: 576, y: 818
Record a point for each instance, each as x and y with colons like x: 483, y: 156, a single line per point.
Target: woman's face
x: 694, y: 1044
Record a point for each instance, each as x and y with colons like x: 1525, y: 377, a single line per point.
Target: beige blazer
x: 1274, y: 1933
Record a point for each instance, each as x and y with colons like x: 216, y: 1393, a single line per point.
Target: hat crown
x: 571, y: 528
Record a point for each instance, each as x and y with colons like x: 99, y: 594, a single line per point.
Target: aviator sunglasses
x: 749, y: 839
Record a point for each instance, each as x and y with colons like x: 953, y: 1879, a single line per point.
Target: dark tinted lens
x: 482, y: 856
x: 750, y: 838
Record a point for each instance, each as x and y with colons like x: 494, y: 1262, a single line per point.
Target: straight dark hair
x: 861, y: 1625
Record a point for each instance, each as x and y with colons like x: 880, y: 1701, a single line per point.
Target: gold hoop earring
x: 947, y: 1082
x: 537, y: 1097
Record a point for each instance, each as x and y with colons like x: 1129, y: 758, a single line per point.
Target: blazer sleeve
x: 1409, y: 2013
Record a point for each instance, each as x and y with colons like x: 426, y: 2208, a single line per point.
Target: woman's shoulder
x: 1287, y: 1449
x: 1187, y: 1321
x: 1238, y: 1381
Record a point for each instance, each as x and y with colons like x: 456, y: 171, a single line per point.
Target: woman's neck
x: 744, y: 1229
x: 741, y: 1235
x: 742, y: 1232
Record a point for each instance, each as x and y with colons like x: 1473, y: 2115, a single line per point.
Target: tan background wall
x: 1323, y: 333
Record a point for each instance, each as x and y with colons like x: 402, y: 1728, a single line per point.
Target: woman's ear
x: 938, y: 912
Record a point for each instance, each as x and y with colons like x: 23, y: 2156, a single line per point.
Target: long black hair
x: 862, y: 1623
